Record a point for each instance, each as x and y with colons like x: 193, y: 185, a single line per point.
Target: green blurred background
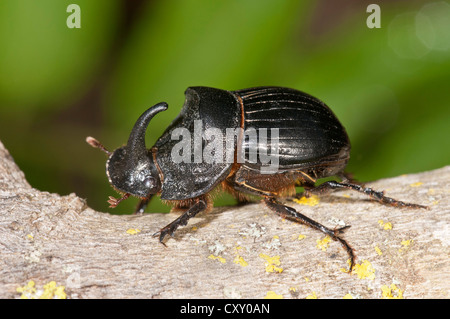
x: 390, y: 87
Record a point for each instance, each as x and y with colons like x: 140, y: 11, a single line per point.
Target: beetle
x: 309, y: 140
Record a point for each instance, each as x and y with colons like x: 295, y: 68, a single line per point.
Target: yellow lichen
x: 364, y: 270
x: 30, y: 236
x: 272, y: 263
x: 386, y: 226
x: 240, y: 261
x: 416, y: 184
x: 348, y: 296
x: 312, y: 296
x: 273, y: 295
x: 219, y: 258
x: 323, y: 243
x: 300, y: 237
x: 52, y: 291
x: 310, y: 201
x: 48, y: 291
x: 391, y: 292
x: 405, y: 244
x: 378, y: 250
x: 28, y: 290
x: 133, y: 231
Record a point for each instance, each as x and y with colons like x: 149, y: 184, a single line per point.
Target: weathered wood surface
x: 88, y: 254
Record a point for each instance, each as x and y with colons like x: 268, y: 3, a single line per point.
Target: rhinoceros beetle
x: 308, y: 143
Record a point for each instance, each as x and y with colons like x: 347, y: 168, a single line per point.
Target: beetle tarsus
x: 290, y: 212
x: 377, y: 195
x: 181, y: 220
x: 113, y: 202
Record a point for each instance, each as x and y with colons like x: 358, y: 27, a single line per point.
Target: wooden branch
x: 56, y: 246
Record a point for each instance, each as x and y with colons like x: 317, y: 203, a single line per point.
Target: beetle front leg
x: 182, y: 220
x: 379, y: 196
x: 290, y: 212
x: 143, y: 203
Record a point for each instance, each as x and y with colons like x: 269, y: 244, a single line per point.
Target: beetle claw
x: 164, y: 232
x: 113, y: 202
x: 161, y: 234
x: 341, y: 230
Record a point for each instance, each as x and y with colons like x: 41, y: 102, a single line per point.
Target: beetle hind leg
x: 289, y: 212
x: 378, y: 196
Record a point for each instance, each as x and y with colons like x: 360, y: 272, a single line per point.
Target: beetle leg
x: 307, y: 182
x: 379, y: 196
x: 113, y: 202
x: 290, y: 212
x: 280, y: 209
x: 307, y: 186
x: 140, y: 208
x: 182, y: 220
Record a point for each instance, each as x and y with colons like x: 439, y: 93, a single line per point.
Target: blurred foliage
x: 388, y: 86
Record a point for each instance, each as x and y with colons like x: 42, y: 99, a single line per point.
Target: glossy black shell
x: 309, y: 132
x: 310, y: 135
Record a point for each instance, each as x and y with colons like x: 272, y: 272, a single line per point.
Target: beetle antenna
x: 96, y: 144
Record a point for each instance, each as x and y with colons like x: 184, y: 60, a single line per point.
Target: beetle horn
x: 136, y: 141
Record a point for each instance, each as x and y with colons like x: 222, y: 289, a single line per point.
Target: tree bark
x: 232, y: 252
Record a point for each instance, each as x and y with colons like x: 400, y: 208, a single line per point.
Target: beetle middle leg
x: 379, y: 196
x: 196, y: 208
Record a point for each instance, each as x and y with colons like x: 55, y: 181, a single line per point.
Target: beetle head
x: 130, y: 168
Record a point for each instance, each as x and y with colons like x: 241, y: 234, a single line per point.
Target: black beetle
x: 309, y: 143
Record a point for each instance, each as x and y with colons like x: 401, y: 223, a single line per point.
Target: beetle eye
x: 149, y: 182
